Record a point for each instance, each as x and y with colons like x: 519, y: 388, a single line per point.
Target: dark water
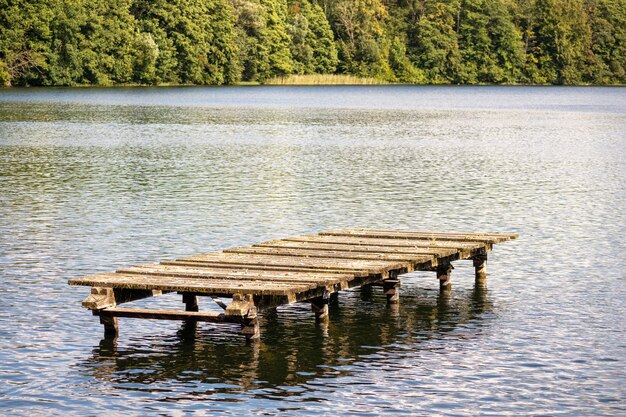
x: 92, y: 180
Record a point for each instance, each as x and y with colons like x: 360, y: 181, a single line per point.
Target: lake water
x: 95, y: 179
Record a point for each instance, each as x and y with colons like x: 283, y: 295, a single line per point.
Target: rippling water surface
x: 92, y: 180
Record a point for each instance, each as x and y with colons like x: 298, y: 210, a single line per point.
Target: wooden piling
x: 110, y: 325
x: 444, y: 275
x: 391, y: 288
x: 479, y: 261
x: 243, y: 307
x: 191, y: 302
x: 319, y: 306
x: 250, y: 329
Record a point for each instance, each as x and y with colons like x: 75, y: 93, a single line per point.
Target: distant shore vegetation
x: 324, y: 79
x: 215, y: 42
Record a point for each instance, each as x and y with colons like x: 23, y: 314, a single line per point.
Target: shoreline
x: 256, y: 84
x: 308, y: 80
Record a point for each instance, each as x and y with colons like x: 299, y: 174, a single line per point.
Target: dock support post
x: 319, y: 305
x: 333, y: 299
x: 243, y: 306
x: 110, y: 325
x: 191, y: 301
x: 480, y: 267
x: 250, y: 329
x: 366, y: 292
x: 444, y: 272
x: 391, y: 288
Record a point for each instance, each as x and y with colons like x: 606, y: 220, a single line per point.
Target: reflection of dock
x: 270, y: 274
x: 293, y: 351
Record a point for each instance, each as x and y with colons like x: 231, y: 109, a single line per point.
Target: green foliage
x: 90, y: 43
x: 434, y: 41
x: 562, y: 41
x: 312, y: 43
x: 263, y: 41
x: 24, y: 40
x: 608, y: 41
x: 194, y: 41
x: 98, y: 42
x: 490, y: 44
x: 362, y: 38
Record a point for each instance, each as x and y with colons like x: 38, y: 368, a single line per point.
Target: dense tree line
x: 103, y: 42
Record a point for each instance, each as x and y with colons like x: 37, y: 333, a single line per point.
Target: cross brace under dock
x: 278, y: 272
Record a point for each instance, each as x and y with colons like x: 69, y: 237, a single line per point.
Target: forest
x: 214, y: 42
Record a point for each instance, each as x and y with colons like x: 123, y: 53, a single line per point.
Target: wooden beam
x: 138, y: 313
x: 103, y: 297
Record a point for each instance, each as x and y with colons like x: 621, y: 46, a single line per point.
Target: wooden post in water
x: 333, y: 299
x: 191, y: 301
x: 444, y: 272
x: 366, y: 292
x: 319, y: 306
x: 110, y: 326
x: 250, y: 328
x: 243, y: 306
x: 480, y: 267
x: 391, y: 288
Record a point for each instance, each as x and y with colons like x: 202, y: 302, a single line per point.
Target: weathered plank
x: 404, y: 243
x: 198, y: 272
x: 193, y: 285
x: 268, y: 260
x: 266, y: 268
x: 401, y: 234
x: 314, y: 246
x: 332, y: 255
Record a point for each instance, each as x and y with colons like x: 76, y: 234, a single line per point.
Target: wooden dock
x: 278, y: 272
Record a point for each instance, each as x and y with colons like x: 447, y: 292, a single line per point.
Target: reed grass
x: 323, y: 79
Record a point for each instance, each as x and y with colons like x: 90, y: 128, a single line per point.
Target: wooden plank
x: 191, y: 266
x: 192, y: 285
x: 207, y: 281
x: 428, y: 233
x: 402, y: 234
x: 332, y: 255
x: 404, y: 243
x: 198, y: 272
x: 139, y: 313
x: 275, y: 260
x: 266, y: 268
x: 411, y: 250
x: 506, y: 235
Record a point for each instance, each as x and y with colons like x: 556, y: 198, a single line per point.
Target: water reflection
x: 293, y: 349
